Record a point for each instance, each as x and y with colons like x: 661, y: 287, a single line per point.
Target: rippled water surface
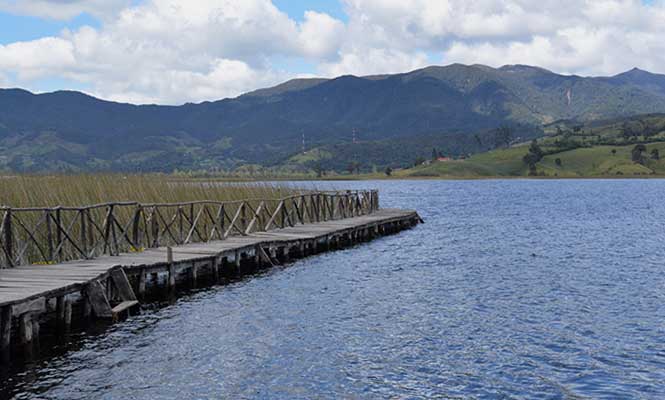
x: 512, y: 289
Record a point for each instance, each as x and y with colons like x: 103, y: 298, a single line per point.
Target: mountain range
x: 375, y: 120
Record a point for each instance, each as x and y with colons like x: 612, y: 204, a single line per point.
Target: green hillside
x: 622, y: 147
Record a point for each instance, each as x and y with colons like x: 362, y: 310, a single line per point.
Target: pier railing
x: 51, y: 235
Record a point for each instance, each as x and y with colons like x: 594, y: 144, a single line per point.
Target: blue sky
x: 297, y: 8
x: 16, y: 28
x: 141, y: 51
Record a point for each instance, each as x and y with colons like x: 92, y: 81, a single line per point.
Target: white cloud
x: 38, y: 57
x: 321, y: 35
x: 172, y: 51
x: 371, y: 61
x: 576, y: 36
x: 175, y: 51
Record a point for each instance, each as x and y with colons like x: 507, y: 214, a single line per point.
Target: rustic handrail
x: 48, y: 235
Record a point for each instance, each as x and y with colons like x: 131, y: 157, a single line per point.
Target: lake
x: 511, y: 289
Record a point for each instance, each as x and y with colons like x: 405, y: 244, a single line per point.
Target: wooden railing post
x: 136, y: 226
x: 8, y: 237
x: 49, y: 236
x: 82, y: 232
x: 154, y: 227
x: 180, y: 225
x: 243, y: 217
x: 58, y: 232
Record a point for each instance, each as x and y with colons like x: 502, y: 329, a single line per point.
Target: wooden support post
x: 87, y: 307
x: 25, y: 328
x: 224, y: 267
x: 60, y: 311
x: 143, y: 276
x: 35, y: 327
x: 215, y: 268
x: 67, y: 322
x: 5, y: 327
x: 171, y: 280
x: 194, y: 270
x: 237, y: 262
x: 257, y: 256
x: 169, y: 260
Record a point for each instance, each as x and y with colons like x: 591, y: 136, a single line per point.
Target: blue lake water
x: 511, y: 289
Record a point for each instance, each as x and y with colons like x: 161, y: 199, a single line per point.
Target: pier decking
x: 57, y: 295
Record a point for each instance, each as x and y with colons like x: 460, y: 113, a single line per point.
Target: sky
x: 178, y: 51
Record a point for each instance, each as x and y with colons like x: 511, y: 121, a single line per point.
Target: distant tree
x: 418, y: 161
x: 351, y: 167
x: 534, y: 155
x: 535, y: 149
x: 503, y: 136
x: 557, y: 162
x: 636, y: 153
x: 435, y: 154
x: 655, y: 155
x: 628, y: 131
x: 614, y: 152
x: 319, y: 170
x: 388, y: 171
x: 478, y: 140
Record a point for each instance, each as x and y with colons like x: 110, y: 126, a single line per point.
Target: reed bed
x: 84, y: 190
x: 48, y: 219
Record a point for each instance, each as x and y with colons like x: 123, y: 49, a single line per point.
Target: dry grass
x: 81, y: 190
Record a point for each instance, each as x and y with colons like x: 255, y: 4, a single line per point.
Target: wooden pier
x: 65, y: 266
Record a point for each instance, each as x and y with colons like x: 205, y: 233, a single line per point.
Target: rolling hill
x: 619, y: 147
x: 395, y: 117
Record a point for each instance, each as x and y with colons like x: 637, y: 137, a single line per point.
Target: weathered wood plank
x: 121, y: 283
x: 32, y: 306
x: 96, y: 296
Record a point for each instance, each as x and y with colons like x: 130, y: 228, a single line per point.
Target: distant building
x: 443, y: 158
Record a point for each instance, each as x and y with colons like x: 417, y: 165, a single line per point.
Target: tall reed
x: 82, y: 190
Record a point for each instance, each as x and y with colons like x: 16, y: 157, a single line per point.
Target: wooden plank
x: 32, y: 306
x: 125, y: 305
x: 121, y: 283
x: 98, y: 300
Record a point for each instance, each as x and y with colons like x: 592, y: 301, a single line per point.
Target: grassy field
x: 599, y: 149
x: 505, y: 162
x: 600, y: 161
x: 597, y: 161
x: 77, y: 190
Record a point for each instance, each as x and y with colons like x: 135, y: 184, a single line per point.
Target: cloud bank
x: 174, y: 51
